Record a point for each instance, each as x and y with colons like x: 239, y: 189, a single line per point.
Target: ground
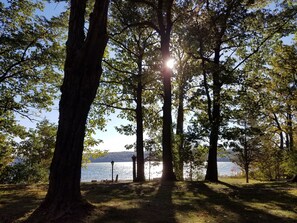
x: 230, y: 201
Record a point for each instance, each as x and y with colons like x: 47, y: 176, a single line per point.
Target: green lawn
x: 184, y: 202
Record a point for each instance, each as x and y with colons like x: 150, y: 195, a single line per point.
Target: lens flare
x: 170, y: 63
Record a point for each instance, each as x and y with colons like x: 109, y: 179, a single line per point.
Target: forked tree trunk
x: 82, y: 74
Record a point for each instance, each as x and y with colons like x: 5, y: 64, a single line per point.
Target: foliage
x: 32, y: 156
x: 268, y: 165
x: 234, y: 80
x: 194, y: 157
x: 30, y: 58
x: 290, y: 163
x: 29, y: 160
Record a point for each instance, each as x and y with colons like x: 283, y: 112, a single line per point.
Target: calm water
x: 102, y: 171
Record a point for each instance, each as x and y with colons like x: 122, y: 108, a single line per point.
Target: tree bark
x: 294, y: 179
x: 168, y: 173
x: 290, y: 128
x: 139, y: 134
x: 165, y: 27
x: 215, y: 121
x: 247, y: 174
x: 82, y: 73
x: 212, y: 167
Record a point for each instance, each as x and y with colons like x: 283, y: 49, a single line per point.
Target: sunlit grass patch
x: 273, y: 209
x: 238, y: 180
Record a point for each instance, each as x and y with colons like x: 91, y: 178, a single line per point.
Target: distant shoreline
x: 126, y: 156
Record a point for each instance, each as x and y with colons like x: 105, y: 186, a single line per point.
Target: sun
x: 170, y: 63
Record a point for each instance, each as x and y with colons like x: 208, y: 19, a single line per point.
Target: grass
x: 229, y: 201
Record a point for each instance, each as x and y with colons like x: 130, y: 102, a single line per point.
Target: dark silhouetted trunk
x: 214, y: 113
x: 82, y: 74
x: 245, y: 151
x: 290, y: 128
x: 281, y: 145
x: 247, y: 174
x: 290, y: 139
x: 139, y: 134
x: 212, y: 167
x: 165, y: 27
x: 215, y: 121
x: 168, y: 173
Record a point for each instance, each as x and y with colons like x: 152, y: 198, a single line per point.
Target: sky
x: 112, y: 140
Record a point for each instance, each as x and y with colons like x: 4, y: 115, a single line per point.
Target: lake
x: 102, y: 171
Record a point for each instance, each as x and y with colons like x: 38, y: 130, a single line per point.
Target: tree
x: 6, y: 153
x: 127, y: 71
x: 279, y: 105
x: 82, y: 73
x: 128, y: 74
x: 33, y: 155
x: 218, y: 28
x: 224, y: 36
x: 246, y: 148
x: 160, y: 19
x: 30, y: 58
x: 184, y: 69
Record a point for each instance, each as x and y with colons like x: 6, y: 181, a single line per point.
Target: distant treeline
x: 126, y: 156
x: 116, y: 157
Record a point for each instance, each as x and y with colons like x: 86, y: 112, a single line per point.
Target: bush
x: 23, y: 173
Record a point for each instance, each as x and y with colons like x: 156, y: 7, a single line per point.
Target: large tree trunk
x: 290, y: 127
x: 168, y: 173
x: 81, y: 80
x: 212, y: 167
x: 139, y: 134
x: 165, y: 26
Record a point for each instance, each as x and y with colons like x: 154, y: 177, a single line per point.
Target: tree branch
x: 22, y: 60
x: 118, y: 70
x: 116, y: 107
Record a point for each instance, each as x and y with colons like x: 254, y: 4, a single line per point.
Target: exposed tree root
x: 294, y: 179
x: 75, y: 212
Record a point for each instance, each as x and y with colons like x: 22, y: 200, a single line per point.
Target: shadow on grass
x: 16, y: 202
x: 229, y: 205
x: 145, y: 203
x: 167, y: 202
x: 275, y: 193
